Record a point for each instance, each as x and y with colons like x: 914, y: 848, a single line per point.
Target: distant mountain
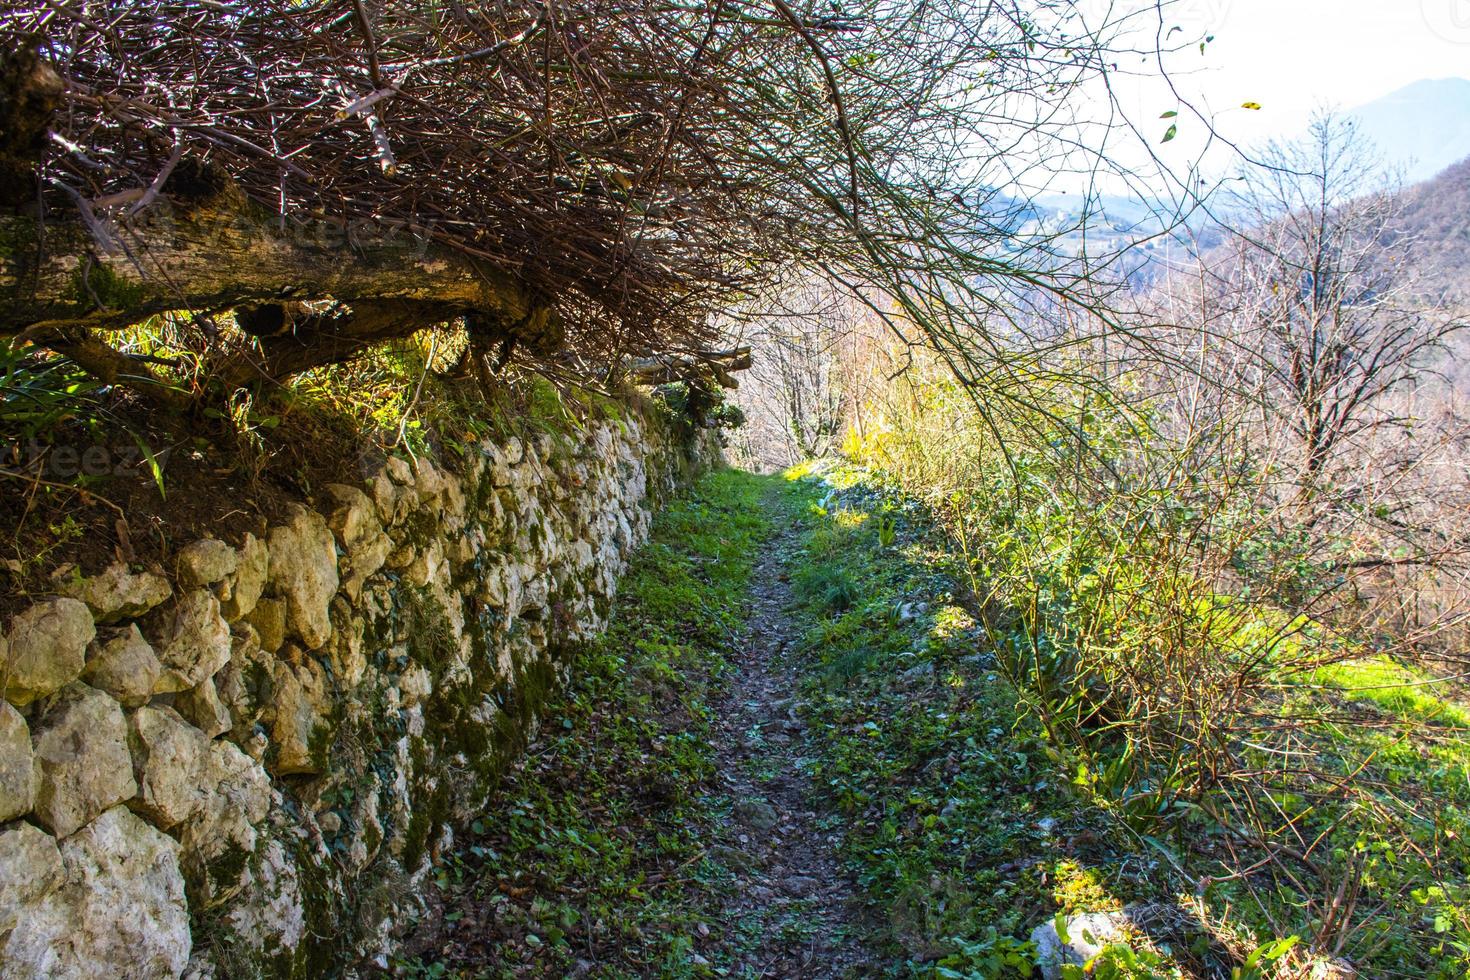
x: 1147, y: 237
x: 1424, y: 127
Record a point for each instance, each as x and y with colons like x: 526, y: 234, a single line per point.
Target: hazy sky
x: 1291, y: 57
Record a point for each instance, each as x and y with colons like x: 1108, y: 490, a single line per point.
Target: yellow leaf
x: 1253, y: 106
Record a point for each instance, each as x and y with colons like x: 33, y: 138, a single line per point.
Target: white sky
x: 1291, y: 56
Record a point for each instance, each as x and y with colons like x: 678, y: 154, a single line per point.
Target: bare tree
x: 1322, y: 294
x: 580, y: 184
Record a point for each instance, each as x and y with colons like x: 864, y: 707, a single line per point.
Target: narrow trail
x: 792, y: 902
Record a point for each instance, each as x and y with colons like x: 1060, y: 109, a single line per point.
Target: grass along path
x: 789, y: 757
x: 661, y: 826
x: 792, y: 755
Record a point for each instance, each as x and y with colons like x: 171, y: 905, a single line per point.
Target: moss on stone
x: 96, y: 286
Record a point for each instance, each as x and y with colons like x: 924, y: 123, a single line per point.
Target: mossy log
x: 718, y: 365
x: 105, y: 270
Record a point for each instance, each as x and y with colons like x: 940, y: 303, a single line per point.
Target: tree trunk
x: 107, y: 273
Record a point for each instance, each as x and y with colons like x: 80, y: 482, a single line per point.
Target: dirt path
x: 791, y: 900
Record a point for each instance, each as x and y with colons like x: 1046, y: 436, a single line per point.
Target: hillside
x: 1437, y: 214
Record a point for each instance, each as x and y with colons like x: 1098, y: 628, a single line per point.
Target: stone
x: 392, y: 502
x: 124, y: 665
x: 30, y: 869
x: 47, y: 649
x: 196, y: 643
x: 246, y: 684
x: 205, y: 562
x: 800, y: 886
x: 398, y: 470
x: 202, y: 707
x: 303, y: 569
x: 917, y: 676
x: 295, y: 716
x: 268, y: 618
x: 18, y: 773
x: 118, y: 592
x: 249, y: 582
x: 81, y: 745
x: 547, y: 548
x: 168, y: 759
x: 1087, y: 935
x: 120, y: 912
x: 415, y: 685
x: 430, y: 483
x: 271, y: 914
x: 354, y: 521
x: 236, y: 800
x: 353, y: 517
x: 756, y: 814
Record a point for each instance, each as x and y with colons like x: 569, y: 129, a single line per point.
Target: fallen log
x: 102, y: 271
x: 698, y: 367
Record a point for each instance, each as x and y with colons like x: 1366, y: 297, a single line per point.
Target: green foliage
x: 946, y: 797
x: 991, y: 955
x: 699, y: 405
x: 1139, y: 614
x: 39, y: 392
x: 598, y: 841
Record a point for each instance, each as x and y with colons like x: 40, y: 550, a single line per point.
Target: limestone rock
x: 124, y: 665
x: 47, y: 649
x: 415, y: 686
x: 81, y: 745
x: 756, y: 814
x: 18, y: 774
x: 119, y: 593
x: 430, y: 483
x: 1086, y: 936
x: 297, y: 700
x: 202, y: 708
x: 269, y: 621
x: 345, y: 654
x: 120, y: 912
x: 196, y: 644
x: 392, y: 502
x: 236, y: 800
x: 271, y: 914
x: 354, y: 520
x: 303, y: 569
x: 249, y: 581
x: 398, y: 470
x: 30, y: 869
x: 205, y: 562
x: 354, y: 517
x: 168, y: 759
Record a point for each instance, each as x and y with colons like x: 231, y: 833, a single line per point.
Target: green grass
x: 595, y: 847
x: 965, y: 825
x: 1396, y: 689
x: 953, y: 814
x: 969, y: 827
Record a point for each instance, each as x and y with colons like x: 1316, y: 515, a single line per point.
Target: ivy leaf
x: 1172, y: 132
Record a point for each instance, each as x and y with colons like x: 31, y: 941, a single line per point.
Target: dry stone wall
x: 243, y: 764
